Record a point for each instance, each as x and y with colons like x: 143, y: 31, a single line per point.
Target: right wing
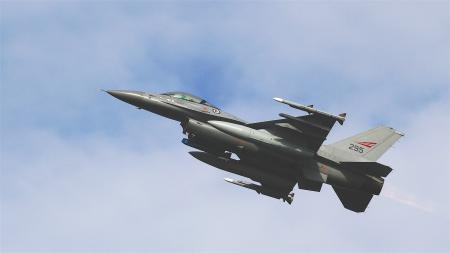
x: 310, y: 130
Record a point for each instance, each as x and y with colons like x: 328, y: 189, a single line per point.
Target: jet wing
x: 310, y: 130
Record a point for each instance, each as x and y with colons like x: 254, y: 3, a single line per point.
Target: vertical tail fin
x: 371, y: 144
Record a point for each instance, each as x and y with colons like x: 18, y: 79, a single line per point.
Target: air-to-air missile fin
x: 309, y: 109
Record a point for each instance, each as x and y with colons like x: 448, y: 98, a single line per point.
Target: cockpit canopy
x: 188, y: 97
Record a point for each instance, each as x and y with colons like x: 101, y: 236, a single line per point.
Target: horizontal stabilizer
x: 369, y: 168
x: 353, y: 200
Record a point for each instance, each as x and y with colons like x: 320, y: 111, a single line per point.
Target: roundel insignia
x: 215, y: 110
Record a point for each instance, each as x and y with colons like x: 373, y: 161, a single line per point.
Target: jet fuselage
x: 272, y: 153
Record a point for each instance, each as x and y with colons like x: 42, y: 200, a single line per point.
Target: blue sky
x: 81, y: 171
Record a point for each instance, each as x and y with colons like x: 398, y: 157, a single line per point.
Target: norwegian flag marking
x: 368, y: 144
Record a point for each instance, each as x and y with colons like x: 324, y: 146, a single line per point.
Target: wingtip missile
x: 311, y: 110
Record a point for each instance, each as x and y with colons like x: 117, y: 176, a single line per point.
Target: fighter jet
x: 280, y: 153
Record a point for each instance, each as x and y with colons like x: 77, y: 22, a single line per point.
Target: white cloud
x: 105, y: 193
x: 82, y: 172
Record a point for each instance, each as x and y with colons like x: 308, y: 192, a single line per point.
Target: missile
x: 241, y: 183
x: 261, y: 190
x: 309, y: 109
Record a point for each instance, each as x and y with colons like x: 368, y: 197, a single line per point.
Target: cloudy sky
x: 81, y: 171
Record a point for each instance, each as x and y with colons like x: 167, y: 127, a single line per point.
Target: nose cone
x: 150, y: 102
x: 131, y: 97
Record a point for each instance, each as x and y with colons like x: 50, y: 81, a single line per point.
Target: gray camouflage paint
x: 281, y: 153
